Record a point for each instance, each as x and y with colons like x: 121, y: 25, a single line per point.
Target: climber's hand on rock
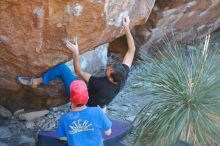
x: 126, y: 22
x: 73, y: 47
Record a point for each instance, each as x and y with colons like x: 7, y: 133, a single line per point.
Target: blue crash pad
x: 119, y: 130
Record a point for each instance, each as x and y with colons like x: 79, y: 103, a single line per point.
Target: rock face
x: 181, y: 20
x: 31, y: 34
x: 185, y: 19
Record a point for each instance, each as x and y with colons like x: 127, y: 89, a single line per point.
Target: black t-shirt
x: 101, y: 91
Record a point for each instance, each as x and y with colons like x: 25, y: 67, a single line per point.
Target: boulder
x: 31, y: 34
x: 180, y: 20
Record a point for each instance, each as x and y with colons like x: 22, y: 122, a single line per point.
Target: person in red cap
x: 102, y: 90
x: 82, y: 125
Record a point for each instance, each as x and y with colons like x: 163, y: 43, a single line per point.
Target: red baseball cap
x: 78, y: 92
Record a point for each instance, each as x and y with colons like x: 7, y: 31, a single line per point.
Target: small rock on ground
x: 5, y: 113
x: 32, y: 115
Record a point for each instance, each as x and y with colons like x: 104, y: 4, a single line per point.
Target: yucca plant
x: 185, y: 89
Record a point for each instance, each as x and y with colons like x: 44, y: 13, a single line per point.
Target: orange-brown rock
x: 182, y: 20
x: 30, y: 40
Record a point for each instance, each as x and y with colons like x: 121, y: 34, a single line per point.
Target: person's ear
x: 112, y: 80
x: 111, y: 69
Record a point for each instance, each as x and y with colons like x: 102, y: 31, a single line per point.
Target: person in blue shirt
x: 82, y: 125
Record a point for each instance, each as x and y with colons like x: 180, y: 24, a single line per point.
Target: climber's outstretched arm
x: 75, y: 53
x: 129, y: 56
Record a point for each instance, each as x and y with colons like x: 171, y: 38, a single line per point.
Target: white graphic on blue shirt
x: 80, y: 126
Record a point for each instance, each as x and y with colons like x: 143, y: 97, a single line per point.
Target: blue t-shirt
x: 84, y: 128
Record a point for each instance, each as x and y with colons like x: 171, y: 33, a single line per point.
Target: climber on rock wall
x: 102, y: 90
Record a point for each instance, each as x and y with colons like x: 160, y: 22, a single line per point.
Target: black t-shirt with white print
x: 101, y: 91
